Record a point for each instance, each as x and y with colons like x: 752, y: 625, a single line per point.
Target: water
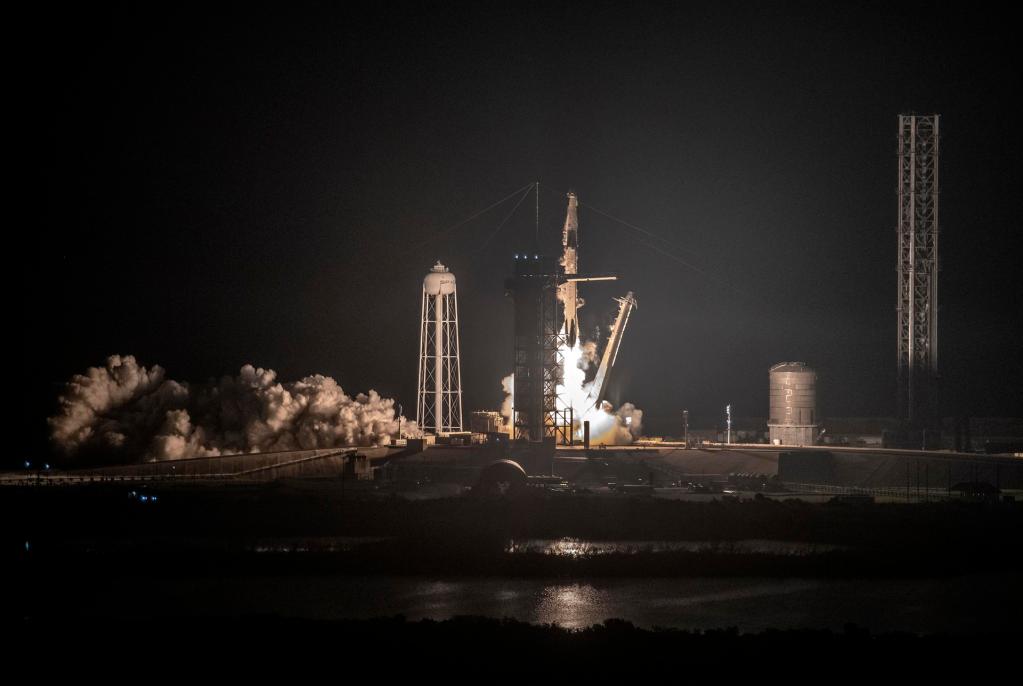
x: 562, y: 547
x: 956, y: 605
x: 578, y: 547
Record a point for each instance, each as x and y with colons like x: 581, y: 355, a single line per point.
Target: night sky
x: 271, y: 185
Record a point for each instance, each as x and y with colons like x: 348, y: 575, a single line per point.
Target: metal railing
x: 912, y: 493
x: 223, y: 467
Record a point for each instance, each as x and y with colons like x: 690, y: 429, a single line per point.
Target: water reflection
x: 577, y: 547
x: 436, y: 588
x: 572, y: 606
x: 746, y: 592
x: 967, y: 604
x: 318, y: 544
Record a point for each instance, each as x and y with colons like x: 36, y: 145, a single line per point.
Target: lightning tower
x: 439, y: 401
x: 918, y: 272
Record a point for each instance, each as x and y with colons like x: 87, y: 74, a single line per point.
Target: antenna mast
x: 538, y: 215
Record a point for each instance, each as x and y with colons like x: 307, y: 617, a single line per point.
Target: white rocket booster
x: 568, y: 292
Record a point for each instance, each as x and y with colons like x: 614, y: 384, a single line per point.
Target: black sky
x: 259, y: 185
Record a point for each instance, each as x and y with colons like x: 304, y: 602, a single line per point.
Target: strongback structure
x: 614, y: 342
x: 439, y: 401
x: 918, y: 273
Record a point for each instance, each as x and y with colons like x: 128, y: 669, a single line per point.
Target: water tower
x: 439, y: 402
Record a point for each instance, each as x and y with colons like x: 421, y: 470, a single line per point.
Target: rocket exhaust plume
x: 607, y: 426
x: 508, y: 386
x: 124, y: 411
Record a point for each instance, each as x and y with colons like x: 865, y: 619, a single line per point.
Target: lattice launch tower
x: 918, y: 271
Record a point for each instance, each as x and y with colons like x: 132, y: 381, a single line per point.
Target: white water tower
x: 439, y: 406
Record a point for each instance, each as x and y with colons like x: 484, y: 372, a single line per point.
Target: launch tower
x: 918, y: 274
x: 538, y: 342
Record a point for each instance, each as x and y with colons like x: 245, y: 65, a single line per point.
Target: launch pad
x: 547, y: 407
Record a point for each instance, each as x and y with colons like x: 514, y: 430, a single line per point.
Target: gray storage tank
x: 793, y: 419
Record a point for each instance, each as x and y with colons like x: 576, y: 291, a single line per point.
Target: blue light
x: 27, y: 546
x: 46, y: 466
x: 154, y: 498
x: 27, y: 464
x: 144, y: 498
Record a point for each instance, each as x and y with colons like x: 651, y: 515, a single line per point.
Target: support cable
x: 670, y: 255
x: 444, y: 232
x: 504, y: 221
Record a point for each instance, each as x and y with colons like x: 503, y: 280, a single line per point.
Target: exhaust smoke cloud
x: 125, y: 411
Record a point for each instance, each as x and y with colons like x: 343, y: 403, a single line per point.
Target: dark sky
x: 268, y: 186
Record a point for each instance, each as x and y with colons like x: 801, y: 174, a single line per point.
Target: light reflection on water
x: 577, y: 547
x: 318, y: 544
x: 964, y: 604
x: 437, y: 588
x: 562, y: 547
x: 580, y: 605
x: 751, y: 604
x: 572, y: 606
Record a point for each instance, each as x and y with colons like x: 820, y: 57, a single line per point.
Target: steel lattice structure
x: 918, y: 270
x: 538, y: 358
x: 439, y: 400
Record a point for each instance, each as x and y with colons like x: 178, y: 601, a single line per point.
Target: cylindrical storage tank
x: 439, y: 281
x: 793, y: 418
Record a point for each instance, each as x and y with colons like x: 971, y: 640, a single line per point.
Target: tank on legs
x: 439, y: 398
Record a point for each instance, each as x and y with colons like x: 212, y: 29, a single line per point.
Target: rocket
x: 568, y: 291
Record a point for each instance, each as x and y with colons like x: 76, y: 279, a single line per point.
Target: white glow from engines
x: 606, y: 427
